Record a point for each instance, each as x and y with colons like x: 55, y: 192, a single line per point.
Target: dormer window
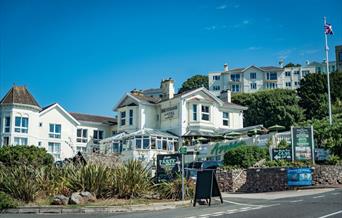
x: 21, y: 124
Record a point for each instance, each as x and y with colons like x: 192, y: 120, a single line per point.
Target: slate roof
x: 19, y: 95
x: 266, y: 68
x: 93, y: 118
x: 145, y: 98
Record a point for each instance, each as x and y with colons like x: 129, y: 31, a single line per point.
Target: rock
x: 76, y: 198
x: 88, y: 197
x: 60, y: 200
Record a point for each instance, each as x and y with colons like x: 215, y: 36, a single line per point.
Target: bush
x: 173, y: 189
x: 245, y: 156
x: 6, y: 201
x: 21, y: 182
x: 283, y: 144
x: 334, y: 160
x: 93, y: 178
x: 132, y: 180
x: 25, y: 155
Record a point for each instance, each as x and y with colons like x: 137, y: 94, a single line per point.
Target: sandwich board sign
x: 206, y: 186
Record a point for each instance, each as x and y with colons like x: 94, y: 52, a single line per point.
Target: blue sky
x: 86, y: 54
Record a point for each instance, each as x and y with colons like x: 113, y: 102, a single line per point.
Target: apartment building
x: 253, y: 78
x: 24, y: 122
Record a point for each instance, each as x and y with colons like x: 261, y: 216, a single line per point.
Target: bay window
x: 205, y: 113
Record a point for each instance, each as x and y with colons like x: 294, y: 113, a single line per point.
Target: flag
x: 328, y: 29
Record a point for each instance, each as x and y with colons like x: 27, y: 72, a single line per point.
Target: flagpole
x: 328, y: 77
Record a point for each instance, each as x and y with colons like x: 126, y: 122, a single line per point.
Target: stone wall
x: 272, y: 179
x: 327, y: 175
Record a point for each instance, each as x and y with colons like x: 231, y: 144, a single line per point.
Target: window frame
x: 7, y: 124
x: 55, y: 152
x: 194, y: 112
x: 252, y: 77
x: 225, y: 120
x: 205, y: 112
x: 83, y: 138
x: 54, y: 134
x: 130, y: 117
x: 96, y: 135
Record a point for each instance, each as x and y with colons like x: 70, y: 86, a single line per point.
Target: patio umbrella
x: 276, y: 128
x: 232, y: 134
x: 202, y: 139
x: 253, y: 131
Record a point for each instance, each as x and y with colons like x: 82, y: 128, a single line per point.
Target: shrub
x: 132, y: 180
x: 25, y: 155
x: 245, y: 156
x: 283, y: 144
x: 93, y: 178
x: 21, y: 182
x: 173, y: 189
x: 6, y: 201
x: 334, y: 160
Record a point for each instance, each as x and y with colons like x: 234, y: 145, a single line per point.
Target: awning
x: 151, y: 132
x: 202, y: 133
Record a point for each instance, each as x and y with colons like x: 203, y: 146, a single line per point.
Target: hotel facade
x: 159, y: 123
x: 24, y: 122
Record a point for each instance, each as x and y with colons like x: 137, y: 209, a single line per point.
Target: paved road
x: 309, y: 203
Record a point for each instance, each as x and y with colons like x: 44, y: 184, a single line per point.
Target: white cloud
x: 210, y: 28
x: 253, y: 48
x: 245, y: 22
x: 221, y: 7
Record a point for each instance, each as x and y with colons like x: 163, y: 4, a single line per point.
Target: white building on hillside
x: 24, y: 122
x: 151, y: 125
x: 253, y: 78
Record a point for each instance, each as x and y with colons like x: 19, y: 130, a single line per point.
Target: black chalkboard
x: 206, y: 186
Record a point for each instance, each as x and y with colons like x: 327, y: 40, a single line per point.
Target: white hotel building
x: 159, y: 122
x: 253, y: 78
x: 24, y: 122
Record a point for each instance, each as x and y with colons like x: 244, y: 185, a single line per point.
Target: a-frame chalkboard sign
x: 206, y: 186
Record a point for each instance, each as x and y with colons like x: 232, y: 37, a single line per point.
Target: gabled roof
x: 139, y: 97
x: 19, y: 95
x: 93, y: 118
x: 56, y: 105
x: 265, y: 69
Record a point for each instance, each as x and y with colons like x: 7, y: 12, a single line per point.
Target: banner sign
x: 168, y: 165
x: 282, y: 154
x: 321, y: 154
x: 170, y: 113
x: 299, y: 176
x: 302, y: 143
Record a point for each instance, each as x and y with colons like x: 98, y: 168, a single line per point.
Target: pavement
x: 315, y: 203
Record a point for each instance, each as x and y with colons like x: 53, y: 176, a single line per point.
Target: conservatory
x: 144, y: 144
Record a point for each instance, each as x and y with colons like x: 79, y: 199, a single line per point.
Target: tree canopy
x: 292, y: 65
x: 313, y: 93
x: 270, y: 107
x: 194, y: 82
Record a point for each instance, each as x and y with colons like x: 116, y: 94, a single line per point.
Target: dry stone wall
x: 272, y: 179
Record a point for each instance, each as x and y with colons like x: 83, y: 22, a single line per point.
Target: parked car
x: 192, y: 168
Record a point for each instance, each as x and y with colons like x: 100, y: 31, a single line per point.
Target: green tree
x: 270, y: 107
x: 313, y: 94
x: 292, y: 65
x: 245, y: 156
x: 326, y: 135
x: 194, y: 82
x: 24, y: 155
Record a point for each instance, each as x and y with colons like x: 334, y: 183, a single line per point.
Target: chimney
x: 281, y: 63
x: 225, y: 67
x: 226, y: 95
x: 168, y: 89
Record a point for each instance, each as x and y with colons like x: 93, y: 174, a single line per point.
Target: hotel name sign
x: 169, y: 113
